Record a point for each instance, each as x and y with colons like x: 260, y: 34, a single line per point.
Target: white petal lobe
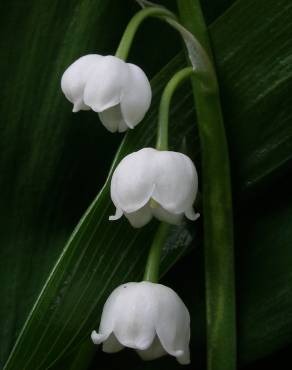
x: 173, y: 327
x: 176, y: 182
x: 162, y: 215
x: 141, y: 217
x: 191, y: 214
x: 98, y: 338
x: 119, y: 213
x: 154, y: 351
x: 112, y: 345
x: 133, y: 180
x: 112, y: 118
x: 135, y: 326
x: 136, y: 97
x: 75, y: 77
x: 103, y: 89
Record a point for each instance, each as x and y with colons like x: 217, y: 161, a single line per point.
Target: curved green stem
x: 198, y: 56
x: 129, y: 33
x: 153, y: 261
x: 217, y: 210
x: 163, y: 117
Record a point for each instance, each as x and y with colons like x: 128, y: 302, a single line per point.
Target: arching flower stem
x: 163, y: 117
x: 199, y: 58
x: 132, y: 27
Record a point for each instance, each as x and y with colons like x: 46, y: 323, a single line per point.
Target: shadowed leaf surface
x: 52, y: 164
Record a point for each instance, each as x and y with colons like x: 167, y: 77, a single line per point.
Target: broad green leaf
x: 264, y: 274
x: 99, y: 256
x: 264, y: 277
x: 40, y: 172
x: 264, y: 280
x: 52, y: 162
x: 252, y: 47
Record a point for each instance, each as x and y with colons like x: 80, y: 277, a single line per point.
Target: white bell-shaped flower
x: 118, y: 91
x: 148, y: 317
x: 156, y: 183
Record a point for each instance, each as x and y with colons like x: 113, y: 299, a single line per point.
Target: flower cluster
x: 145, y: 316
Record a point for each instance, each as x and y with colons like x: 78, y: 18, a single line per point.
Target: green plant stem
x: 152, y: 266
x: 163, y: 117
x: 192, y: 18
x: 132, y: 27
x: 217, y: 210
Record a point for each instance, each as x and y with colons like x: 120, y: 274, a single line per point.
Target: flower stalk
x: 163, y: 117
x: 132, y: 27
x: 153, y: 262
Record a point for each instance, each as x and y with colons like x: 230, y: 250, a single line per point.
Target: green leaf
x: 264, y: 274
x: 252, y: 46
x: 264, y: 280
x: 52, y: 162
x: 40, y: 172
x: 95, y: 260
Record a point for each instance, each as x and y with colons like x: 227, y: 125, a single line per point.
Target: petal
x: 133, y: 180
x: 112, y: 119
x: 184, y: 359
x: 173, y: 325
x: 136, y: 97
x: 119, y: 213
x: 110, y: 342
x: 123, y: 126
x: 141, y: 217
x: 176, y: 183
x: 191, y: 214
x: 98, y: 338
x: 163, y: 215
x: 112, y: 345
x: 74, y: 79
x: 104, y: 88
x: 154, y: 351
x: 79, y: 105
x: 109, y: 316
x: 135, y: 311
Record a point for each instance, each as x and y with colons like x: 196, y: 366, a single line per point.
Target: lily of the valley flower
x: 118, y: 91
x: 148, y: 317
x: 156, y: 183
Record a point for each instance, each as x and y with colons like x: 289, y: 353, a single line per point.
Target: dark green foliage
x: 53, y: 163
